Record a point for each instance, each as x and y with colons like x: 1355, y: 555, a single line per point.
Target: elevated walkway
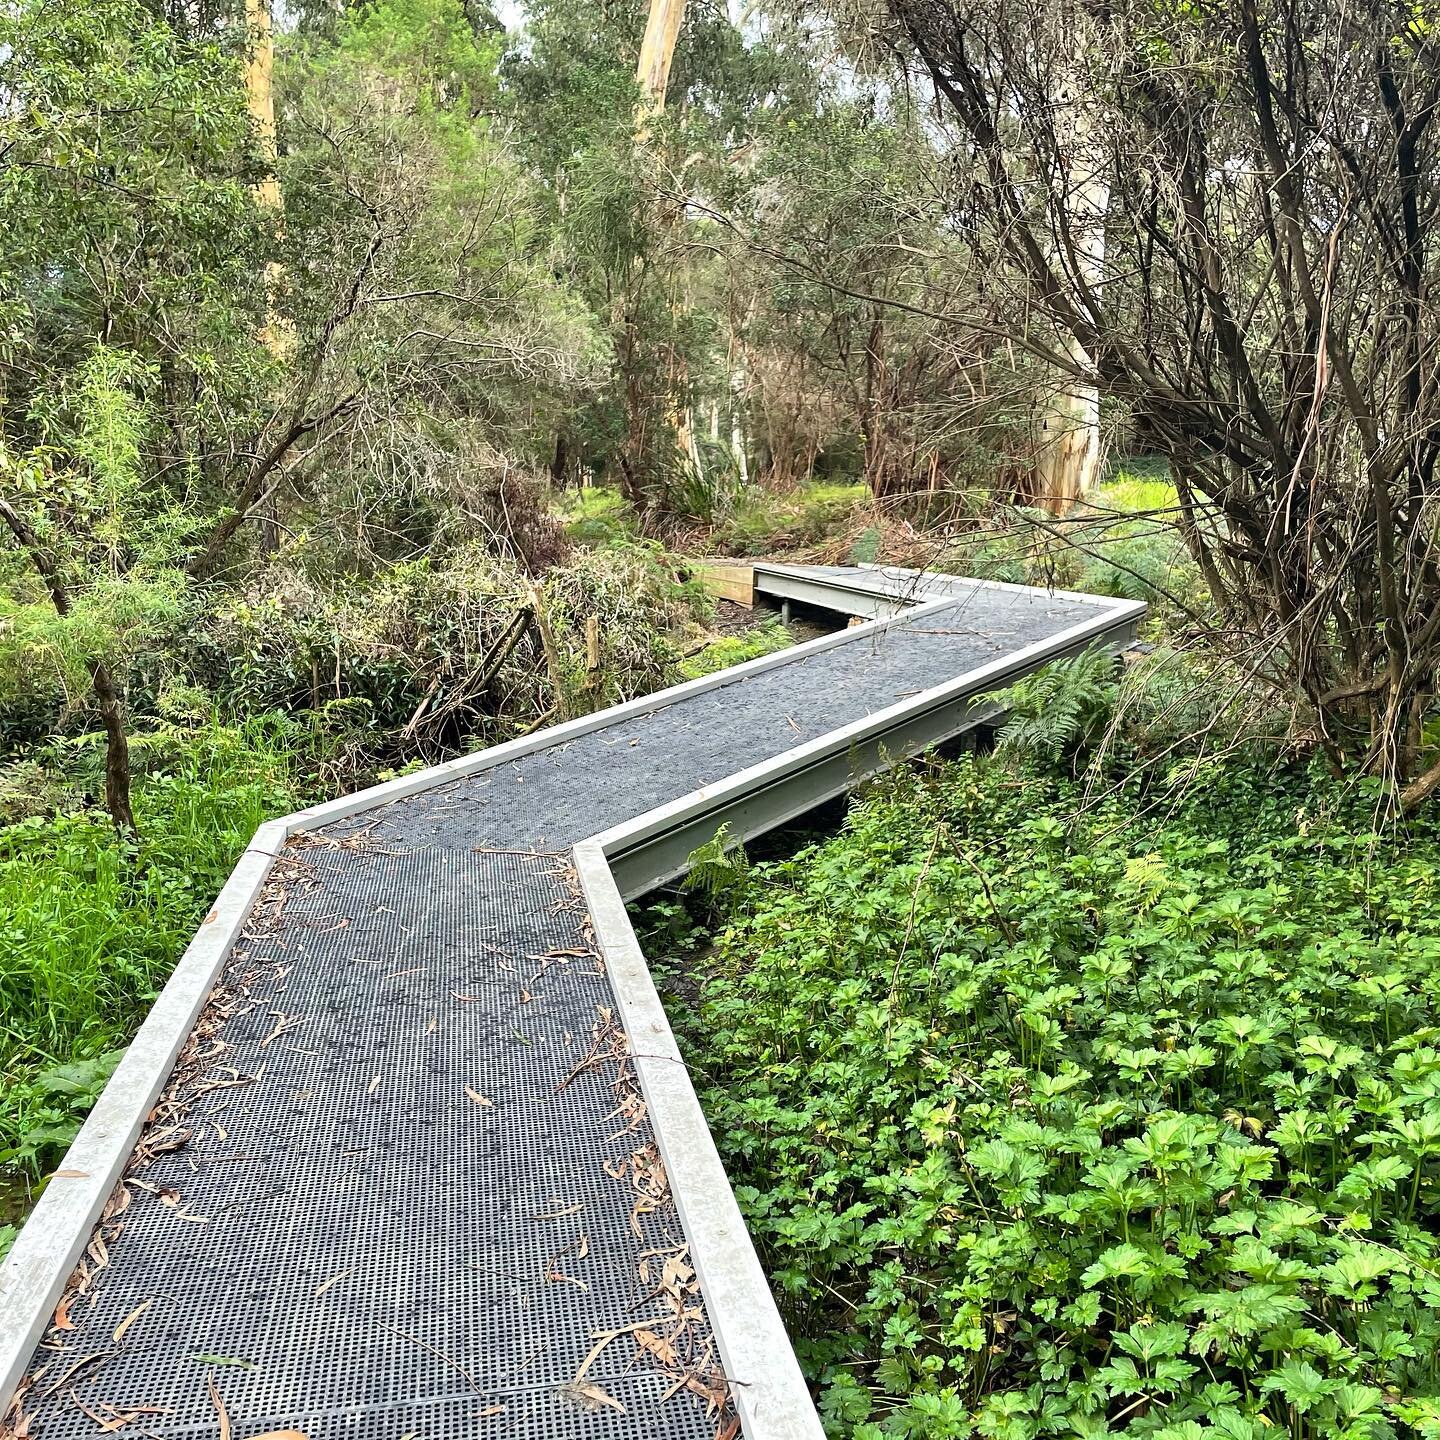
x: 405, y: 1149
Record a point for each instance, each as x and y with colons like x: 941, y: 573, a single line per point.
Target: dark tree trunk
x: 117, y: 749
x: 112, y: 714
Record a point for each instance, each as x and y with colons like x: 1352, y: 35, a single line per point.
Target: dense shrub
x: 1126, y: 1123
x: 409, y: 652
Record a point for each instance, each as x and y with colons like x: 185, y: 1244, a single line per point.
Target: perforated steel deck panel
x: 417, y: 1209
x: 571, y: 790
x: 486, y: 1231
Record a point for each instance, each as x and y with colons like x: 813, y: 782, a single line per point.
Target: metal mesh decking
x: 422, y: 1207
x: 401, y: 1187
x: 575, y: 789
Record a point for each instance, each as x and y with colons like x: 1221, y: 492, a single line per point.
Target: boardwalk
x: 411, y: 1176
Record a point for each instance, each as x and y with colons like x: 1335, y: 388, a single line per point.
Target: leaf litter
x: 131, y: 1318
x: 676, y: 1343
x: 197, y: 1072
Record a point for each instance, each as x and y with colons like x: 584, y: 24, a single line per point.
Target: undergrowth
x: 1139, y: 484
x: 90, y: 926
x: 1061, y: 710
x: 754, y: 519
x: 596, y: 515
x: 1052, y: 1120
x: 763, y: 521
x: 763, y: 639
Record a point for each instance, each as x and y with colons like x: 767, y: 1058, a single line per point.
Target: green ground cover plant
x: 1139, y: 489
x: 1115, y: 1117
x: 91, y: 925
x: 763, y: 639
x: 596, y: 515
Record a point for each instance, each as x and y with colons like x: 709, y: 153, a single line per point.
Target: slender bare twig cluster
x: 1264, y: 305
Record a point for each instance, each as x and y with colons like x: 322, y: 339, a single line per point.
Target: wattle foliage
x: 1125, y: 1124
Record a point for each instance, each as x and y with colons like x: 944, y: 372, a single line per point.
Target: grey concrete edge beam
x: 769, y: 1390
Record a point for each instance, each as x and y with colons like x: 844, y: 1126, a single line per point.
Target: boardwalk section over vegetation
x: 428, y: 1155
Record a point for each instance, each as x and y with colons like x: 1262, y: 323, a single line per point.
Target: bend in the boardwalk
x: 402, y: 1183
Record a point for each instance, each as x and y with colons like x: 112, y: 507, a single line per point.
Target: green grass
x: 90, y: 928
x: 1139, y: 485
x: 764, y: 639
x: 1051, y: 1123
x: 1139, y: 497
x: 834, y: 494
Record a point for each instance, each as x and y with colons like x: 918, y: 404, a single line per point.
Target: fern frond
x: 719, y: 869
x: 1060, y: 710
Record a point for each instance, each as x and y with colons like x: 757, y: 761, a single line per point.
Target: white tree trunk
x: 259, y: 97
x: 738, y: 387
x: 1067, y: 439
x: 279, y: 335
x: 657, y: 50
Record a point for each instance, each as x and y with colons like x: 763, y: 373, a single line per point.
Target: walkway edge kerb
x: 766, y: 1383
x: 770, y: 1392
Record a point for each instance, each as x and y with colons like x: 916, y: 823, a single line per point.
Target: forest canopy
x: 317, y: 294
